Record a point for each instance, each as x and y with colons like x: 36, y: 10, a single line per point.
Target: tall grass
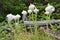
x: 19, y: 31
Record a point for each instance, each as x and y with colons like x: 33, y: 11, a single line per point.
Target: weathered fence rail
x: 44, y: 22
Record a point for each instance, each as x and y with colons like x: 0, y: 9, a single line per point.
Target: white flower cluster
x: 11, y: 17
x: 36, y: 10
x: 24, y: 12
x: 49, y: 9
x: 31, y: 9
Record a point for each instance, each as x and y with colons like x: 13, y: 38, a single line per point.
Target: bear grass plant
x: 19, y: 31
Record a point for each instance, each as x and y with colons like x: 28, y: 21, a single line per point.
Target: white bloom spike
x: 17, y: 16
x: 32, y: 7
x: 47, y: 13
x: 10, y: 17
x: 24, y: 12
x: 36, y: 10
x: 24, y: 15
x: 29, y: 11
x: 50, y: 8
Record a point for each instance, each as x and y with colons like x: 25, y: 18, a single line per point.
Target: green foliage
x: 13, y: 6
x: 18, y: 32
x: 16, y: 6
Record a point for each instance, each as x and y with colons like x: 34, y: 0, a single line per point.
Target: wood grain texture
x: 41, y: 22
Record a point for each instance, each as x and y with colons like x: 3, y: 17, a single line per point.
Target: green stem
x: 18, y: 21
x: 35, y: 17
x: 47, y: 24
x: 29, y: 17
x: 32, y: 17
x: 9, y: 23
